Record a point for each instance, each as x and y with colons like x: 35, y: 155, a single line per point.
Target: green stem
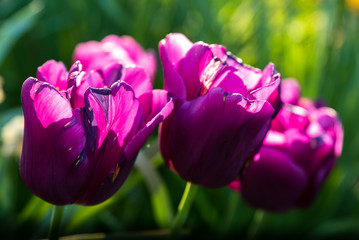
x: 257, y: 220
x: 56, y: 219
x: 183, y: 208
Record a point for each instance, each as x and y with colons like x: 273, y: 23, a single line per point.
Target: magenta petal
x: 219, y: 51
x: 176, y: 46
x: 162, y: 111
x: 192, y: 65
x: 212, y: 153
x: 83, y: 82
x: 275, y: 138
x: 54, y: 73
x: 115, y: 117
x: 269, y: 87
x: 230, y: 82
x: 250, y: 76
x: 274, y: 182
x: 53, y: 164
x: 290, y: 91
x: 91, y: 55
x: 145, y: 59
x: 115, y: 179
x: 173, y: 81
x: 153, y: 102
x: 138, y: 79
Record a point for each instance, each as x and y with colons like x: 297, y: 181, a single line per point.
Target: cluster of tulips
x: 221, y: 123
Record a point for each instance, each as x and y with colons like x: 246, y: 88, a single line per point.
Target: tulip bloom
x: 298, y: 153
x: 94, y: 55
x: 83, y: 130
x: 222, y: 112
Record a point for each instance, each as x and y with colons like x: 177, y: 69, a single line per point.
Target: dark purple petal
x: 274, y: 182
x: 299, y: 147
x: 54, y: 73
x: 53, y: 164
x: 111, y: 73
x: 211, y: 137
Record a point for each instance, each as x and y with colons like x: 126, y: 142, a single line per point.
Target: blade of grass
x: 17, y: 25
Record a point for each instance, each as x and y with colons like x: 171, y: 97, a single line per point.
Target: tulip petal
x: 153, y: 102
x: 274, y: 182
x: 173, y: 82
x: 230, y: 82
x: 215, y: 134
x: 54, y: 73
x: 176, y: 45
x: 111, y: 73
x: 268, y: 88
x: 88, y: 54
x: 118, y: 175
x: 115, y: 117
x: 138, y: 79
x: 290, y: 91
x: 53, y: 164
x: 145, y: 59
x: 191, y: 67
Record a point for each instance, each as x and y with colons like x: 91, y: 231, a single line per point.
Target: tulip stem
x: 183, y: 208
x: 56, y: 218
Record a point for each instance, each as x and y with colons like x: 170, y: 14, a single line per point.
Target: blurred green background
x: 316, y: 42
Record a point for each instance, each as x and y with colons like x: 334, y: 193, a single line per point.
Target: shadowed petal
x: 274, y: 182
x: 214, y: 135
x: 53, y: 164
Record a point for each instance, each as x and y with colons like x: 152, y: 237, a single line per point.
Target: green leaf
x: 17, y: 25
x: 161, y: 204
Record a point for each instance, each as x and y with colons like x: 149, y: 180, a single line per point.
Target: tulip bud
x: 223, y: 110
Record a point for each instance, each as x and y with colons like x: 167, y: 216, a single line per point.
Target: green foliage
x: 315, y: 42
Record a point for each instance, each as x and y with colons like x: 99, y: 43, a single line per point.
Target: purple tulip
x: 125, y: 50
x: 298, y: 153
x: 222, y: 112
x: 83, y: 130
